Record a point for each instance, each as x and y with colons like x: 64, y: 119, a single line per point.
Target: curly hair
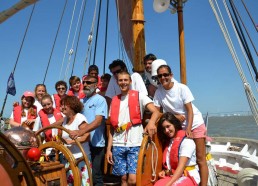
x: 73, y: 102
x: 169, y: 117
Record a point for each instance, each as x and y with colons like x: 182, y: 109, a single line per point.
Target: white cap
x: 155, y: 65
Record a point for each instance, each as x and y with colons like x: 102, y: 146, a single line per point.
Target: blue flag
x: 11, y: 85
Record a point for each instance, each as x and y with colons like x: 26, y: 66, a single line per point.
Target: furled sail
x: 15, y: 8
x: 131, y: 20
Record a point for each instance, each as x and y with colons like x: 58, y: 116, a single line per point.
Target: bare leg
x: 124, y: 180
x: 132, y: 180
x: 201, y: 160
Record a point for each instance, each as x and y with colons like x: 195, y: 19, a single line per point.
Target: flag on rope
x: 11, y: 85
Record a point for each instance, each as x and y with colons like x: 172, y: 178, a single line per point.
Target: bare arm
x: 179, y: 170
x: 87, y: 128
x: 189, y: 110
x: 85, y: 137
x: 110, y: 142
x: 151, y: 128
x: 13, y: 123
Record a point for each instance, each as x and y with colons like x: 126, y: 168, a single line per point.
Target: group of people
x: 122, y: 99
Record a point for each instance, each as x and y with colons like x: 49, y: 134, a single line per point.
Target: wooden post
x: 138, y: 35
x: 181, y: 42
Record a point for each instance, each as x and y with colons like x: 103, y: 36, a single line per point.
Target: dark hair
x: 118, y: 62
x: 73, y: 102
x: 61, y: 83
x: 149, y: 56
x: 169, y: 117
x: 165, y: 66
x: 73, y: 79
x: 106, y: 76
x: 93, y: 67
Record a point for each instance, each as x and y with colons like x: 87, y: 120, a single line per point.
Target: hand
x: 74, y: 134
x: 69, y: 141
x: 162, y: 174
x: 180, y: 117
x: 28, y: 122
x: 109, y: 157
x: 189, y: 133
x: 16, y: 103
x: 151, y: 129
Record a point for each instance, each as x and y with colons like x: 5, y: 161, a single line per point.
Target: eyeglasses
x: 117, y: 71
x: 61, y: 88
x: 165, y: 75
x: 89, y: 82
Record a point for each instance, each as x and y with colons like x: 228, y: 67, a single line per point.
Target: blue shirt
x: 93, y: 106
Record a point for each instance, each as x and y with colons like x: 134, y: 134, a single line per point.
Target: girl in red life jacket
x: 61, y: 88
x: 25, y: 113
x: 179, y: 154
x: 47, y: 116
x: 76, y: 87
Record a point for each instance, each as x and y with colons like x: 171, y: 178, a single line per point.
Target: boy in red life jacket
x: 76, y: 87
x: 61, y: 88
x: 25, y: 113
x: 126, y: 134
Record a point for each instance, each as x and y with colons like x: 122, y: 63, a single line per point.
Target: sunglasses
x: 117, y: 71
x: 165, y: 75
x: 62, y: 88
x: 89, y: 82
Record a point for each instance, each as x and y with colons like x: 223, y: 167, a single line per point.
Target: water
x: 233, y: 126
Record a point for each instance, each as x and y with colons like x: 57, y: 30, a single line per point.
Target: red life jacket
x: 174, y: 152
x: 80, y: 95
x: 17, y: 112
x: 134, y: 108
x: 45, y: 122
x: 57, y: 100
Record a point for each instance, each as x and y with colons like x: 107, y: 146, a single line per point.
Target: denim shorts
x: 125, y: 160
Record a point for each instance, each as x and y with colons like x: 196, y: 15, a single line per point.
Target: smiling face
x: 27, y: 102
x: 47, y: 105
x: 168, y: 129
x: 40, y: 92
x: 165, y: 77
x: 76, y: 86
x: 124, y: 82
x: 89, y: 86
x: 61, y: 90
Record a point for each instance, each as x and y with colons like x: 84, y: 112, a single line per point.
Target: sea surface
x: 233, y: 126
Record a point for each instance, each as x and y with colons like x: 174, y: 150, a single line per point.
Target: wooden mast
x: 181, y: 42
x: 138, y: 35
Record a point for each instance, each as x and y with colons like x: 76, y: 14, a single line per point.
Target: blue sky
x: 211, y: 72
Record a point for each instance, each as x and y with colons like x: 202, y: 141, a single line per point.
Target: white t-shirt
x: 23, y: 118
x: 38, y: 105
x: 132, y: 137
x: 187, y: 149
x: 78, y: 120
x: 137, y: 84
x: 174, y: 100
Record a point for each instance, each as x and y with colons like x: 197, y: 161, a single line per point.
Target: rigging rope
x: 75, y: 32
x: 90, y: 38
x: 97, y: 33
x: 67, y: 40
x: 251, y: 99
x: 105, y: 48
x: 62, y: 15
x: 154, y: 163
x: 18, y: 56
x: 256, y: 28
x: 84, y: 8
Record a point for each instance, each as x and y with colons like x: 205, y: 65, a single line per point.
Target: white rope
x: 154, y: 163
x: 250, y: 96
x: 68, y: 36
x: 75, y: 33
x: 90, y: 37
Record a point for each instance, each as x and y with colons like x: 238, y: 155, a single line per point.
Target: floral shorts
x: 125, y: 160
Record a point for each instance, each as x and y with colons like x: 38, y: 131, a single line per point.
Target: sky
x: 211, y: 73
